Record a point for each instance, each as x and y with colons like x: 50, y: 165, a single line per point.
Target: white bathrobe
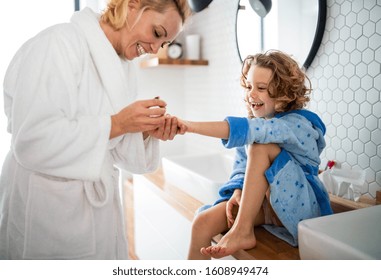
x: 59, y: 184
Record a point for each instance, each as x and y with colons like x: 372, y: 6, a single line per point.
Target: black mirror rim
x: 198, y: 5
x: 320, y: 28
x: 319, y: 32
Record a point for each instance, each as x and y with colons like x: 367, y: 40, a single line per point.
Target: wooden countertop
x: 268, y: 246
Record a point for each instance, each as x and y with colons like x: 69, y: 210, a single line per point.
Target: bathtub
x: 200, y: 175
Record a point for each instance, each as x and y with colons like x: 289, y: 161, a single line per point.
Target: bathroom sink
x: 350, y: 235
x: 200, y: 176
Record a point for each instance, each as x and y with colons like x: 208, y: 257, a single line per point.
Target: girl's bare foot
x: 232, y: 241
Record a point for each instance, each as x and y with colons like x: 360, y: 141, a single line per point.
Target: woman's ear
x: 134, y: 4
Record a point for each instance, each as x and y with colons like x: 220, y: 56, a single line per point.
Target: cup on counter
x: 192, y: 45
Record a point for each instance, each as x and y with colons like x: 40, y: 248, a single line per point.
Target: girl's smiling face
x: 147, y: 31
x: 257, y: 92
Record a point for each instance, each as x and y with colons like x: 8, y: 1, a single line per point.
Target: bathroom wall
x: 345, y: 76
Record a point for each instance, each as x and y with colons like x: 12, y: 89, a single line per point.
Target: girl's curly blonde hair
x: 287, y: 84
x: 117, y: 10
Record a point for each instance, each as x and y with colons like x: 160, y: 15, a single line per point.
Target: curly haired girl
x: 274, y: 182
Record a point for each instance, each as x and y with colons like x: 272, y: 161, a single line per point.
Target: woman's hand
x: 140, y: 116
x: 167, y: 131
x: 232, y: 207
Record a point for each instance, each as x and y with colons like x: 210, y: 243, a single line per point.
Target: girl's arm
x: 218, y: 129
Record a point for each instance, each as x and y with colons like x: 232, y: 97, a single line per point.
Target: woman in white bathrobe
x: 69, y: 98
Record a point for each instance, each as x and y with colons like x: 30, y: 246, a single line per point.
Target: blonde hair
x: 117, y: 10
x: 287, y: 84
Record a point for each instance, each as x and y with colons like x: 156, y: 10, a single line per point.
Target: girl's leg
x: 250, y: 212
x: 205, y: 226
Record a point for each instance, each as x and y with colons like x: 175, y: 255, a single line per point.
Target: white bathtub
x: 198, y: 175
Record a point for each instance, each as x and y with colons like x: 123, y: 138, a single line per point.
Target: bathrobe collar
x: 316, y: 122
x: 311, y: 116
x: 108, y: 64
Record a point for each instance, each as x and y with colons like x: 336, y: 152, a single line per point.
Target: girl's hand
x: 232, y: 207
x: 183, y: 126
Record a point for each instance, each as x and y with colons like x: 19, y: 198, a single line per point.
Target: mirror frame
x: 320, y: 28
x: 77, y: 5
x: 319, y: 32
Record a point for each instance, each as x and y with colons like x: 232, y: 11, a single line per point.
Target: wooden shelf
x: 156, y: 62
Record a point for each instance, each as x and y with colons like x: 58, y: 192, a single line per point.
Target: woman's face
x: 258, y: 80
x: 147, y: 31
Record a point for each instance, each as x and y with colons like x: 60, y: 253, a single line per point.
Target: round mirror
x: 293, y: 26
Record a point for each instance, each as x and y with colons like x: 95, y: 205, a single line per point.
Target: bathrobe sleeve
x: 292, y: 132
x: 245, y: 131
x: 41, y: 87
x: 137, y: 155
x: 130, y: 152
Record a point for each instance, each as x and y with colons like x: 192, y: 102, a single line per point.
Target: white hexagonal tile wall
x: 349, y: 62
